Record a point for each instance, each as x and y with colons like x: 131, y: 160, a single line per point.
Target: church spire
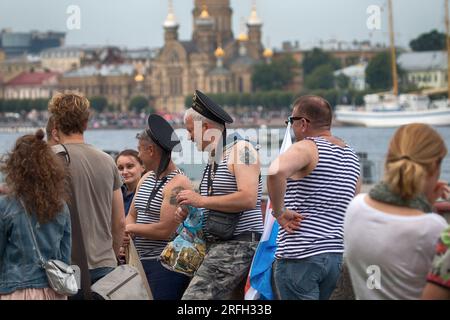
x: 170, y: 21
x: 254, y: 25
x: 204, y: 14
x: 216, y: 12
x: 170, y: 25
x: 254, y: 19
x: 243, y: 36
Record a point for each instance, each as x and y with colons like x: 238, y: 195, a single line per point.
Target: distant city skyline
x: 138, y: 23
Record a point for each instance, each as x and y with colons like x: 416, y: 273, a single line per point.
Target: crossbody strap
x: 78, y: 247
x: 41, y: 259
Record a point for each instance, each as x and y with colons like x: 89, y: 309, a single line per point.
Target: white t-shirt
x: 388, y: 256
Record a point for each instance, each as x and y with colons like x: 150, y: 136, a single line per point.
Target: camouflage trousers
x: 224, y: 268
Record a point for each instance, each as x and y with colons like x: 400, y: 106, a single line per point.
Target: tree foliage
x: 379, y: 73
x: 267, y: 99
x: 274, y: 76
x: 98, y: 103
x: 320, y: 78
x: 433, y: 40
x: 16, y: 105
x: 316, y: 58
x: 342, y: 81
x: 138, y: 103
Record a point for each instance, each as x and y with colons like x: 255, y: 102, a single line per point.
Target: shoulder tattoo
x: 246, y: 156
x: 173, y: 195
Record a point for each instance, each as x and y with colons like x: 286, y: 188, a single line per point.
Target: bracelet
x: 277, y: 215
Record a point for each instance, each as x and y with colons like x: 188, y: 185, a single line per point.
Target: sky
x: 138, y: 23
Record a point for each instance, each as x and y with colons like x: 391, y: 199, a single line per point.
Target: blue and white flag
x: 259, y: 284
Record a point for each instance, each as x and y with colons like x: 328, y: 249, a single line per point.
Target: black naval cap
x: 162, y: 133
x: 209, y: 109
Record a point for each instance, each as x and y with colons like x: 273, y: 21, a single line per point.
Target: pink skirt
x: 33, y: 294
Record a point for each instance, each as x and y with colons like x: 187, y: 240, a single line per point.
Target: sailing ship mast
x: 393, y: 57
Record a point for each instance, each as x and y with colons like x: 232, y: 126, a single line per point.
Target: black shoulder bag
x: 220, y: 225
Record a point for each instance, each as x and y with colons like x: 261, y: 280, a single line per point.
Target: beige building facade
x: 213, y: 60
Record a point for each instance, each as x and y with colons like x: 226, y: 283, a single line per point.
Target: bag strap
x: 132, y: 254
x: 211, y: 175
x: 215, y: 164
x: 41, y: 259
x: 78, y: 247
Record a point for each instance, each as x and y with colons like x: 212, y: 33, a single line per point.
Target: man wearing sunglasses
x: 310, y: 186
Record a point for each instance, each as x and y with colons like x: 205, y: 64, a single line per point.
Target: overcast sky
x: 138, y: 23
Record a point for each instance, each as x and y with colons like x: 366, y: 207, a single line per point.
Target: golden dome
x: 268, y: 53
x: 219, y: 53
x: 204, y: 13
x: 242, y: 36
x: 139, y: 78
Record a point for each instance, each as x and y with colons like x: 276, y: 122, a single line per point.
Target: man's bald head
x: 316, y: 109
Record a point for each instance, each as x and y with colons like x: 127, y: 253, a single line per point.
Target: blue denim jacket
x: 19, y: 263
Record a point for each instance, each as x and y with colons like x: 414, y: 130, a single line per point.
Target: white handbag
x: 61, y: 276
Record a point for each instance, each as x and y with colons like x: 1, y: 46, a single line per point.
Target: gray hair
x: 143, y: 135
x: 199, y: 117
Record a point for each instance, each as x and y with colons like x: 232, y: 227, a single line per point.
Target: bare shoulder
x: 243, y: 152
x: 176, y: 184
x: 305, y: 145
x: 337, y: 141
x: 180, y: 180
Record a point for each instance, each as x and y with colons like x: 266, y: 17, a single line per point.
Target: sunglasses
x: 292, y: 119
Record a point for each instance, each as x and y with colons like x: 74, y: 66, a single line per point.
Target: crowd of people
x: 249, y: 117
x: 85, y: 208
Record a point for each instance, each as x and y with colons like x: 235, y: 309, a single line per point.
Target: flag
x: 259, y: 283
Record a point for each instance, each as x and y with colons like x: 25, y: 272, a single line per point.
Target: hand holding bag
x: 125, y: 282
x: 186, y: 252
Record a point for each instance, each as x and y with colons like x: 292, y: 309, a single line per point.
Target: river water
x: 372, y: 141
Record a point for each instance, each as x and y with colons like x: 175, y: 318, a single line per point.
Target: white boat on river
x: 386, y: 110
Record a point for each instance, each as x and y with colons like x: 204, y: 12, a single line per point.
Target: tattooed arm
x: 167, y: 224
x: 244, y: 165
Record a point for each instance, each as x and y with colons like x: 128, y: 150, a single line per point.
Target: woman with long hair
x: 35, y: 177
x: 390, y: 233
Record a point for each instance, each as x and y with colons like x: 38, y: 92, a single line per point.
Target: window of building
x: 174, y: 58
x: 175, y: 86
x: 241, y: 85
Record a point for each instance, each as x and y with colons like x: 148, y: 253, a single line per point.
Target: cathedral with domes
x: 213, y: 61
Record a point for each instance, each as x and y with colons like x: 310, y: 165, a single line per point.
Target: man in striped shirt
x: 231, y: 185
x: 310, y: 186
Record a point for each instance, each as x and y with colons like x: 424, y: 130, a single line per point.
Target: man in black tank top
x: 231, y: 186
x: 310, y: 186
